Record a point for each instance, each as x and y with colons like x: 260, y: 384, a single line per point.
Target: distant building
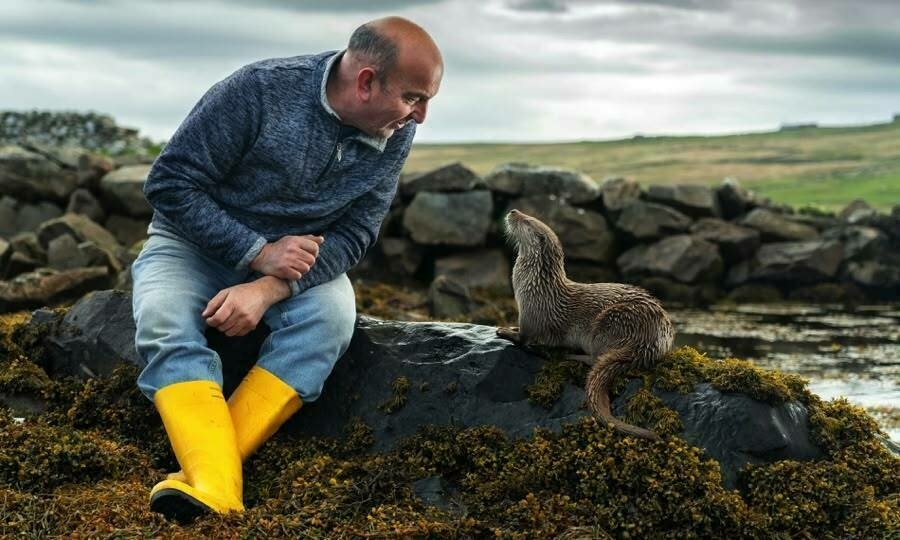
x: 792, y: 127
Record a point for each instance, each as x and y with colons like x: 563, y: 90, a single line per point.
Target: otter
x: 621, y: 327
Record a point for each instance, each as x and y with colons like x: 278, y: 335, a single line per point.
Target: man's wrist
x: 275, y: 288
x: 254, y: 264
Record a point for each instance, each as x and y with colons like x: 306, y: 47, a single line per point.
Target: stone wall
x: 72, y: 220
x: 89, y: 130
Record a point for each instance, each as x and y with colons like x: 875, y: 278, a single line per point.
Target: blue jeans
x: 174, y: 280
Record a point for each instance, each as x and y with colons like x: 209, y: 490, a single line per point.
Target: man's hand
x: 237, y: 310
x: 289, y: 257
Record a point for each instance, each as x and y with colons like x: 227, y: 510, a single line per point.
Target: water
x: 852, y: 354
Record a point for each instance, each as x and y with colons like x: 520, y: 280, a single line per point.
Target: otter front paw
x: 511, y: 333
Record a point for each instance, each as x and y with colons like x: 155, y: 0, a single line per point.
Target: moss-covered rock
x: 85, y: 467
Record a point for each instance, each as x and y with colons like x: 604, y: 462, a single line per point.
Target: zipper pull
x: 340, y: 151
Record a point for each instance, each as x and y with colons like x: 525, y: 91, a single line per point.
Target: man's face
x: 402, y: 98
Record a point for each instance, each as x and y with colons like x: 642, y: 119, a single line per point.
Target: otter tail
x: 608, y: 366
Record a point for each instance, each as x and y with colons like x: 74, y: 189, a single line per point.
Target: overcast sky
x: 515, y: 70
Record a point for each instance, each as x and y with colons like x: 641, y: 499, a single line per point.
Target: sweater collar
x: 378, y: 143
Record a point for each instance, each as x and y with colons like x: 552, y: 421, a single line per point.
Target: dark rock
x: 27, y: 243
x: 95, y: 255
x: 92, y: 168
x: 519, y: 180
x: 473, y: 378
x: 435, y: 491
x: 735, y: 243
x: 683, y: 257
x: 617, y: 193
x: 483, y: 268
x: 449, y: 178
x: 796, y: 262
x: 817, y: 221
x: 63, y: 253
x: 19, y: 264
x: 888, y: 223
x: 859, y: 242
x: 6, y: 252
x: 23, y: 405
x: 30, y: 216
x: 83, y: 202
x: 736, y: 430
x: 775, y: 227
x: 29, y: 176
x: 123, y: 190
x: 875, y: 275
x: 674, y: 292
x: 584, y: 234
x: 80, y: 227
x: 455, y: 219
x: 650, y: 221
x: 402, y: 256
x: 733, y: 199
x: 855, y: 211
x: 8, y: 212
x: 692, y: 200
x: 448, y: 298
x: 583, y: 272
x: 94, y: 336
x: 65, y: 155
x: 127, y: 230
x: 46, y: 287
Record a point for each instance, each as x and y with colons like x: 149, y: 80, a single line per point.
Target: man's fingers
x: 220, y: 316
x: 309, y: 246
x: 214, y: 303
x: 230, y: 326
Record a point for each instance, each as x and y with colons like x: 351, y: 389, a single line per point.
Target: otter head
x: 532, y: 236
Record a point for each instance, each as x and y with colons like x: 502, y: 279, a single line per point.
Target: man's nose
x: 420, y: 111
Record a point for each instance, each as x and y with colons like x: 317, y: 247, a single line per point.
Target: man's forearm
x: 273, y: 289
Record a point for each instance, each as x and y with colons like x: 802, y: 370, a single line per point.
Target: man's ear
x: 364, y: 81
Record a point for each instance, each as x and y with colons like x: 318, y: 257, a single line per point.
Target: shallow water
x: 842, y: 353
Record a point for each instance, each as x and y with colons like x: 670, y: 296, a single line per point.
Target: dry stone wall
x: 72, y: 220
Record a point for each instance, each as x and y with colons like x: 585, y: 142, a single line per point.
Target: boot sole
x: 178, y: 505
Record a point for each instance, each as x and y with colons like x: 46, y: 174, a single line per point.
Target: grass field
x: 825, y: 167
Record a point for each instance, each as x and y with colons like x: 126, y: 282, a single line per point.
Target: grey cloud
x: 544, y: 6
x: 568, y: 6
x: 138, y: 40
x: 874, y: 45
x: 308, y: 6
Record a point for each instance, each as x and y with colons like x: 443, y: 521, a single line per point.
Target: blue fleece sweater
x: 262, y: 155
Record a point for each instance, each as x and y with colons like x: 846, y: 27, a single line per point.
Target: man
x: 274, y: 186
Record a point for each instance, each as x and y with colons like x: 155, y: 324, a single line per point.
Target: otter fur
x: 621, y: 327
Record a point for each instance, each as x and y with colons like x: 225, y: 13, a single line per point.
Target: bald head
x: 393, y: 42
x: 386, y: 77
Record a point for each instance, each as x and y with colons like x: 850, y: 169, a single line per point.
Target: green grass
x: 826, y: 166
x: 880, y: 191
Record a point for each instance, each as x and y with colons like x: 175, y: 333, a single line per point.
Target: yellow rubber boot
x: 258, y: 407
x: 200, y: 430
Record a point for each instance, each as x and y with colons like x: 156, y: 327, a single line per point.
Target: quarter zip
x: 337, y: 152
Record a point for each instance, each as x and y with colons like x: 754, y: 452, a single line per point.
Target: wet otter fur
x: 620, y: 326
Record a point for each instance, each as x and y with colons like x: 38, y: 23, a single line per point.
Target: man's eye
x: 412, y: 99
